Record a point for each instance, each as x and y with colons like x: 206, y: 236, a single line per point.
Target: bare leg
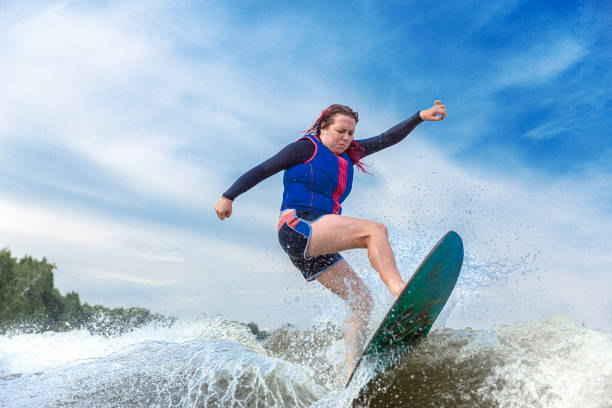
x: 335, y: 233
x: 344, y: 282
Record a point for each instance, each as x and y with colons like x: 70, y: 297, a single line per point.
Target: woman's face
x: 338, y: 134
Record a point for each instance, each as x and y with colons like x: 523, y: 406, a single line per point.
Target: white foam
x: 35, y: 352
x: 553, y: 363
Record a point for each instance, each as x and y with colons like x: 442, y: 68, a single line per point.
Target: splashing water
x: 212, y: 362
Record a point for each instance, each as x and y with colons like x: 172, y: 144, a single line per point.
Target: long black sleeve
x: 392, y: 136
x: 292, y: 154
x: 303, y: 149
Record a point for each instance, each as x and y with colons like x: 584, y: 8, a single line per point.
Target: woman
x: 318, y: 178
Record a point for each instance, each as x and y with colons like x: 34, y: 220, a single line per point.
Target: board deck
x: 417, y: 307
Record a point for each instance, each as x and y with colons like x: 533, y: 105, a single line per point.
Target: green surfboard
x: 417, y: 307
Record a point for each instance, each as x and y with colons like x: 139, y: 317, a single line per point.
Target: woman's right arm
x: 292, y: 154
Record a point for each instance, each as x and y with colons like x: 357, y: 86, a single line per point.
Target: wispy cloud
x: 541, y: 61
x: 128, y: 104
x: 94, y: 89
x: 97, y: 275
x: 546, y: 131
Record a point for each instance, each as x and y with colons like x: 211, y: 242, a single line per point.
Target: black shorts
x: 294, y: 235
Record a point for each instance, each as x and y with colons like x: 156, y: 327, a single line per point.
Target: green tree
x: 29, y: 301
x: 36, y: 301
x: 7, y: 284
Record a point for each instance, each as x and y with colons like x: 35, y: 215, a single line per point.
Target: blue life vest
x: 321, y: 183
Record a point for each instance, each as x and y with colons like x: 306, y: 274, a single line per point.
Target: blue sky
x: 121, y: 122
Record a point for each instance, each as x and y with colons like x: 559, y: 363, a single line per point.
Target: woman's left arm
x: 398, y: 132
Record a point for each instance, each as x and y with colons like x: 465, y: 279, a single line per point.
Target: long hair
x: 355, y: 151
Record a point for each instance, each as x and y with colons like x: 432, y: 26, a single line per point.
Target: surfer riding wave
x: 311, y: 229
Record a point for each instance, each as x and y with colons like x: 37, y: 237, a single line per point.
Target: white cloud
x: 543, y: 60
x: 124, y: 100
x: 547, y: 131
x: 79, y: 83
x: 95, y: 275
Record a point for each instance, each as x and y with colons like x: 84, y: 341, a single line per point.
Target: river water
x: 213, y: 362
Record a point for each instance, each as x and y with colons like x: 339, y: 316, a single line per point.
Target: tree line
x: 29, y: 302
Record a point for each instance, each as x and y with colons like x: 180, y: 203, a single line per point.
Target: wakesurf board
x: 417, y: 307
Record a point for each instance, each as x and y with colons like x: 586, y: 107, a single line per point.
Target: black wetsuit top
x: 303, y: 149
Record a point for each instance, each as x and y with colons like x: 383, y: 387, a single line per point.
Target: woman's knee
x: 376, y: 229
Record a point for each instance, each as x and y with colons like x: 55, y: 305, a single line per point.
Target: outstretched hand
x: 224, y: 208
x: 436, y: 112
